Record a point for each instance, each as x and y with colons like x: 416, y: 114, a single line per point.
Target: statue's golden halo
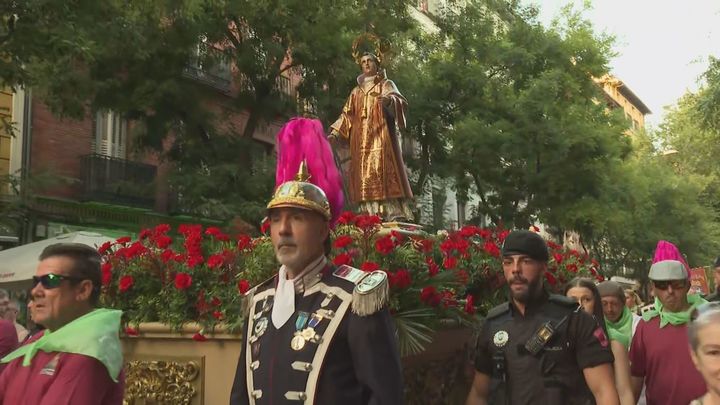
x: 358, y: 46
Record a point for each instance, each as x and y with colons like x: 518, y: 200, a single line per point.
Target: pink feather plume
x: 304, y: 139
x: 667, y: 251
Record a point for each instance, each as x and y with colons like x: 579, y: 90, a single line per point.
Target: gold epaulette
x: 371, y: 292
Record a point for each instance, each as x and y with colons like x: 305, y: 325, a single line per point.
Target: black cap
x: 526, y: 243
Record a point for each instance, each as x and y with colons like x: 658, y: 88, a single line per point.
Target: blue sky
x: 662, y: 45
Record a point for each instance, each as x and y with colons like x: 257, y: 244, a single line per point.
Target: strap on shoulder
x: 498, y: 310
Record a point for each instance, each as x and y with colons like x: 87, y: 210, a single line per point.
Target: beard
x: 523, y: 295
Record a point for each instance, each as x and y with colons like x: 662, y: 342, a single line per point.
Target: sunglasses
x: 676, y: 284
x: 50, y: 280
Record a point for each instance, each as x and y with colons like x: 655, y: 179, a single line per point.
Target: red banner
x: 698, y: 281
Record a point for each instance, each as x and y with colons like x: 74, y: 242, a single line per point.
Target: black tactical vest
x: 551, y: 376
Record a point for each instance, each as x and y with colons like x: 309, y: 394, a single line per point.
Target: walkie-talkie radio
x: 540, y: 338
x: 543, y: 334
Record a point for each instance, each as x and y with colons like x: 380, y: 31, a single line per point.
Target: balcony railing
x: 118, y: 181
x: 218, y: 80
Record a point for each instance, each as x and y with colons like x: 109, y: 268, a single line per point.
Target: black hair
x: 588, y: 283
x: 86, y: 263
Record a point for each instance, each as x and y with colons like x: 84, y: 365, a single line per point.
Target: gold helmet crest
x: 299, y: 193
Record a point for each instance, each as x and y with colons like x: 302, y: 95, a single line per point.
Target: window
x: 110, y: 134
x: 6, y: 99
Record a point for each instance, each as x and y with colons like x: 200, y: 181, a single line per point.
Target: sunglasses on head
x: 50, y: 280
x: 664, y: 284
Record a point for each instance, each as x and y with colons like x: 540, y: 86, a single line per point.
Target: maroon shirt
x: 59, y: 379
x: 662, y: 356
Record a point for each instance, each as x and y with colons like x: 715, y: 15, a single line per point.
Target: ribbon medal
x: 298, y: 341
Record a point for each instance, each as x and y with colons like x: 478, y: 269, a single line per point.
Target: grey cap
x: 613, y: 289
x: 668, y: 270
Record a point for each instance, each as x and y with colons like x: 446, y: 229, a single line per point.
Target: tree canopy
x: 501, y: 107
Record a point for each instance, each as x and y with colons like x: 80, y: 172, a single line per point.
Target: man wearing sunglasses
x: 658, y: 354
x: 77, y: 359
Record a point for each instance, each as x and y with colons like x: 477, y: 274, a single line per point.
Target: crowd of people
x: 596, y: 344
x: 602, y: 346
x: 316, y: 333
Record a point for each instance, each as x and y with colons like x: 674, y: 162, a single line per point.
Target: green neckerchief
x: 674, y: 318
x: 94, y: 334
x: 622, y: 329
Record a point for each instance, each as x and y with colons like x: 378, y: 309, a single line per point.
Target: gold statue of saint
x: 370, y: 122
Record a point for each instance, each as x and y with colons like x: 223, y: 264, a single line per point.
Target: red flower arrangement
x: 199, y: 275
x: 192, y: 275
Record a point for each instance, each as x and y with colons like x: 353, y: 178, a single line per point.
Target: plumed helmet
x: 300, y: 193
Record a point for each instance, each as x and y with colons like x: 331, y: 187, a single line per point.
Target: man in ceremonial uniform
x: 315, y: 333
x: 539, y: 348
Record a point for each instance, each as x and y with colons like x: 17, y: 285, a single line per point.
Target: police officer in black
x: 539, y: 348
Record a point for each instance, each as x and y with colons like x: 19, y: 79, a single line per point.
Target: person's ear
x: 84, y: 290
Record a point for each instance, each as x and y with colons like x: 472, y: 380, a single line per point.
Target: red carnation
x: 126, y: 282
x: 217, y: 315
x: 162, y: 241
x: 342, y: 259
x: 485, y: 233
x: 106, y: 270
x: 433, y: 268
x: 265, y: 226
x: 216, y: 233
x: 398, y: 237
x: 131, y: 331
x: 384, y: 245
x: 161, y: 229
x: 492, y: 249
x: 449, y: 263
x: 183, y: 281
x: 447, y: 246
x: 430, y: 296
x: 502, y: 235
x: 468, y: 231
x: 243, y: 242
x: 550, y: 278
x: 558, y: 258
x: 367, y: 222
x: 369, y: 266
x: 215, y: 261
x: 342, y: 241
x: 401, y: 279
x: 572, y: 267
x: 470, y: 304
x: 194, y: 260
x: 123, y: 240
x: 346, y: 217
x: 198, y: 337
x: 144, y: 234
x: 105, y: 247
x: 167, y: 255
x: 243, y: 286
